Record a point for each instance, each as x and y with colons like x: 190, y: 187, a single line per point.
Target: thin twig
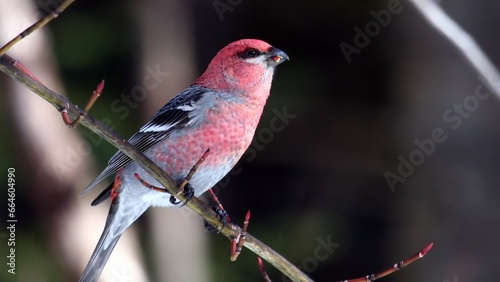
x: 230, y: 230
x: 237, y: 246
x: 181, y: 186
x: 39, y: 24
x: 150, y: 186
x: 394, y: 268
x: 95, y: 94
x: 262, y: 269
x: 464, y: 42
x: 192, y: 172
x: 218, y: 204
x: 22, y: 68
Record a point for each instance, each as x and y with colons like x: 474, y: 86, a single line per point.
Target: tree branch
x: 462, y: 40
x: 10, y: 67
x: 39, y: 24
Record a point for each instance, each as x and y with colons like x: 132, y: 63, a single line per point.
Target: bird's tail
x: 103, y: 249
x: 116, y: 223
x: 125, y: 208
x: 98, y: 260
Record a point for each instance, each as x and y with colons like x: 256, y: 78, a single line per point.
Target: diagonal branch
x: 395, y: 267
x: 230, y: 230
x: 463, y: 41
x: 39, y: 24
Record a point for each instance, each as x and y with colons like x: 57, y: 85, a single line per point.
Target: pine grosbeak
x: 219, y: 111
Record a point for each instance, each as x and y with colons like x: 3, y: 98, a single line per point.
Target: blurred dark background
x: 321, y: 177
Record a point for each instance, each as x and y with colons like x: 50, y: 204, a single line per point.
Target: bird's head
x: 255, y: 52
x: 243, y: 65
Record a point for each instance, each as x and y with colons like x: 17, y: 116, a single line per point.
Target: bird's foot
x: 223, y: 218
x: 221, y: 212
x: 184, y: 187
x: 188, y: 193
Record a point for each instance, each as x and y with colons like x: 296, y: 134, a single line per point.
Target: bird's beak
x: 275, y: 56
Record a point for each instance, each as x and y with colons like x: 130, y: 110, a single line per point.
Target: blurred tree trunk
x: 179, y: 242
x: 56, y: 162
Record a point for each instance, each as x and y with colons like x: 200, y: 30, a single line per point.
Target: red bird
x: 219, y: 111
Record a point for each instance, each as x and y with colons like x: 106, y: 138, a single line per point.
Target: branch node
x: 95, y: 94
x: 236, y: 247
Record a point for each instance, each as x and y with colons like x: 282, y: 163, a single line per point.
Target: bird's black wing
x: 174, y: 115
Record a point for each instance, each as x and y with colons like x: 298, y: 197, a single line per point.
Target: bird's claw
x: 187, y: 192
x: 223, y: 217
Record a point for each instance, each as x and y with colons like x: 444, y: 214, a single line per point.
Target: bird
x: 219, y: 112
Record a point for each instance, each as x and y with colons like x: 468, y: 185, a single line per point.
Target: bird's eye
x: 251, y: 53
